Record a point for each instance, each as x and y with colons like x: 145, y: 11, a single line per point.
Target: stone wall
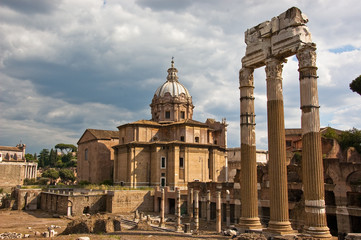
x: 129, y: 201
x: 27, y: 199
x: 11, y: 174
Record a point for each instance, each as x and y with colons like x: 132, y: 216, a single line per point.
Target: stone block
x: 287, y: 41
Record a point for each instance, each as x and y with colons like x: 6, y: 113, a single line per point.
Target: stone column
x: 228, y: 209
x: 279, y: 218
x: 162, y: 206
x: 196, y: 211
x: 218, y: 212
x: 312, y: 164
x: 208, y: 205
x: 178, y: 227
x: 249, y: 207
x: 190, y: 203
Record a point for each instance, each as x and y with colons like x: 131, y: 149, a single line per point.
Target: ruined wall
x: 28, y: 199
x: 11, y: 174
x: 128, y: 201
x: 58, y: 201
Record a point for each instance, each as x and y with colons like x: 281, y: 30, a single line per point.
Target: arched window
x: 86, y: 154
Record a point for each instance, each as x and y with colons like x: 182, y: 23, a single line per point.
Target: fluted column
x: 312, y: 165
x: 249, y: 208
x: 279, y: 218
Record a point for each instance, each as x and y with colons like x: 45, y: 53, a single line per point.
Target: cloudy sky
x: 70, y: 65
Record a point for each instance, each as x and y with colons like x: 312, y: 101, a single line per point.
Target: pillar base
x: 280, y: 228
x: 178, y: 229
x: 250, y: 223
x: 318, y: 232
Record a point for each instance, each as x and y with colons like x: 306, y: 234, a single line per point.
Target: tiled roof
x: 104, y: 134
x: 5, y: 148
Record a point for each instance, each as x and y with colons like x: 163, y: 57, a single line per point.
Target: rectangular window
x: 162, y: 181
x: 162, y: 162
x: 181, y: 162
x: 183, y: 115
x: 86, y: 154
x: 167, y: 114
x: 182, y: 138
x: 196, y: 139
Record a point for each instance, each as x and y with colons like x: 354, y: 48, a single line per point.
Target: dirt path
x: 29, y: 222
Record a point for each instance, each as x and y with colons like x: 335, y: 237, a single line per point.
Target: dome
x: 172, y: 85
x: 174, y: 88
x: 172, y: 101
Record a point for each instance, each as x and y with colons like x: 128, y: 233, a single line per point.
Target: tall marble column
x: 312, y: 164
x: 196, y: 210
x: 228, y: 208
x: 208, y: 205
x: 190, y: 203
x: 218, y: 212
x: 178, y: 227
x: 162, y: 209
x: 279, y: 218
x: 249, y: 208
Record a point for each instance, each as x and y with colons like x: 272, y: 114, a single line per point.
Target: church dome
x: 172, y: 101
x: 172, y: 85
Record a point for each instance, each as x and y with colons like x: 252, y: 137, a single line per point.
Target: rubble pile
x: 251, y: 236
x: 10, y: 235
x: 93, y: 224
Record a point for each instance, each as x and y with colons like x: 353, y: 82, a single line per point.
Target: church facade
x: 171, y: 149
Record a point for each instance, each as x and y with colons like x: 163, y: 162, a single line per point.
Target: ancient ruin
x: 269, y: 44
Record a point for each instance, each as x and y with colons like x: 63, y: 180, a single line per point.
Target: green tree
x: 351, y: 138
x: 355, y: 85
x: 66, y: 147
x: 67, y: 175
x: 29, y: 157
x: 44, y: 158
x: 51, y: 173
x: 53, y: 157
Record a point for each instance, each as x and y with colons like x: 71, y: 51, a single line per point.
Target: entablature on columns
x: 279, y: 38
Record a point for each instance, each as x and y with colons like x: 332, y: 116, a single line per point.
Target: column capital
x: 246, y: 77
x: 274, y: 68
x: 306, y: 56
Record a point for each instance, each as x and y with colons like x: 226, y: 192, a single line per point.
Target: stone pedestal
x: 312, y: 164
x: 279, y: 218
x: 249, y: 214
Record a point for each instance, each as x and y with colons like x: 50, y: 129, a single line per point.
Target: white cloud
x: 72, y: 65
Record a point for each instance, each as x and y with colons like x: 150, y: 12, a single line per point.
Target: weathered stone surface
x: 252, y: 236
x: 94, y: 224
x: 281, y: 37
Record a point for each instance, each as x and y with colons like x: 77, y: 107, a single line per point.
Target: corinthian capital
x: 246, y: 77
x: 274, y: 68
x: 306, y: 56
